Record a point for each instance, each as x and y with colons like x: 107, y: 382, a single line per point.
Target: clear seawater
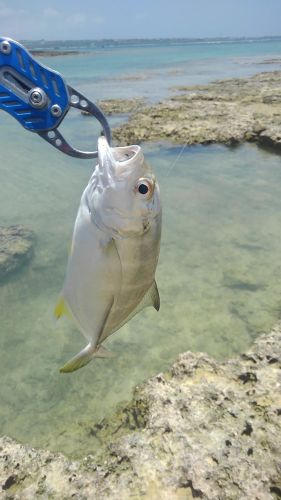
x: 148, y: 68
x: 219, y: 273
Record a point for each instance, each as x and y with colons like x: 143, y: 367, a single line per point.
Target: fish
x: 111, y: 267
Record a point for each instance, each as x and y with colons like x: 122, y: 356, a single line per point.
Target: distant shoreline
x: 141, y: 39
x: 67, y: 47
x: 53, y: 53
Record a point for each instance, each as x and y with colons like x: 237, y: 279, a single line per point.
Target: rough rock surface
x: 227, y: 111
x: 119, y: 106
x: 204, y: 429
x: 16, y: 248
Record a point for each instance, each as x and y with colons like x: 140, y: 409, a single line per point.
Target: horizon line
x: 230, y: 37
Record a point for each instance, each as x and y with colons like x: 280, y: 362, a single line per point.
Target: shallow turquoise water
x: 219, y: 273
x: 219, y: 277
x: 131, y: 69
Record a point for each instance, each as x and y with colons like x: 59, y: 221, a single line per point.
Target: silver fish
x: 111, y: 268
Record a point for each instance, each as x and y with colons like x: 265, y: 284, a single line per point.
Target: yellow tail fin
x: 84, y: 357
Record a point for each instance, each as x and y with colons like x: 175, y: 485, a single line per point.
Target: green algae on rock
x: 227, y: 111
x: 203, y: 429
x: 16, y: 248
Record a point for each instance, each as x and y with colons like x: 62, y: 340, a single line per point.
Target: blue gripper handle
x: 39, y: 98
x: 20, y: 76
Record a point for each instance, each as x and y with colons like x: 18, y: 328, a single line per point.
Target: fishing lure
x: 39, y: 98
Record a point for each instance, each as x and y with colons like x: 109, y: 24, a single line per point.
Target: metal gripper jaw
x: 39, y: 98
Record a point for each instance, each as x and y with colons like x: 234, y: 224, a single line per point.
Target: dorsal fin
x: 61, y: 308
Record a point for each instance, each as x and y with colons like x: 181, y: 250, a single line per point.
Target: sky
x: 95, y: 19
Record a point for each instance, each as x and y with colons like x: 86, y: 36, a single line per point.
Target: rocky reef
x: 204, y: 429
x: 118, y: 106
x: 228, y: 111
x: 16, y: 249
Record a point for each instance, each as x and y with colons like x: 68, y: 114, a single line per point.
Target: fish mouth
x: 116, y: 161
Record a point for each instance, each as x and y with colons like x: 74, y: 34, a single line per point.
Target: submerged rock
x: 16, y: 248
x: 227, y: 111
x: 203, y: 429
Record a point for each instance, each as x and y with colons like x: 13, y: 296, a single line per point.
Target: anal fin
x: 102, y: 352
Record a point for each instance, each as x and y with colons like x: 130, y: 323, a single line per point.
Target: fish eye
x: 145, y: 188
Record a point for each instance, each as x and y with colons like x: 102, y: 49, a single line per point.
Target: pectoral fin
x: 151, y: 298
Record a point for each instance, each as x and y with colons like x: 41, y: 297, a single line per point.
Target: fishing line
x: 176, y: 160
